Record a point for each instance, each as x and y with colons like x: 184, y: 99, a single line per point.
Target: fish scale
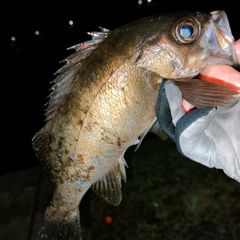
x: 103, y: 101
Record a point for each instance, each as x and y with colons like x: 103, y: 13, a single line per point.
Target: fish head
x: 186, y: 43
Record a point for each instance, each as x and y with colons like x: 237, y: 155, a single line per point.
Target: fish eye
x: 187, y: 31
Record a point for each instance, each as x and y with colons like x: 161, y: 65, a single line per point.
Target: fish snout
x: 224, y: 35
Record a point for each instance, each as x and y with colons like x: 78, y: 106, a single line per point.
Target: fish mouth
x: 224, y: 35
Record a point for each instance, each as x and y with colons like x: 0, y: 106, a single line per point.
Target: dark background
x: 27, y: 65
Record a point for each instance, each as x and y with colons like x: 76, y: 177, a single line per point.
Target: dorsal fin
x: 109, y: 187
x: 62, y: 86
x: 63, y: 82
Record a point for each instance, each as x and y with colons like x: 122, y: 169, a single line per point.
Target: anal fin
x: 109, y: 187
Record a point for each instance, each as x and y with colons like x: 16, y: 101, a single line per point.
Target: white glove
x: 209, y: 136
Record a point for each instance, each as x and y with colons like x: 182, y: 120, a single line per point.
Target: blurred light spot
x: 139, y: 2
x: 37, y: 32
x: 13, y: 38
x: 108, y: 219
x: 70, y: 22
x: 149, y: 0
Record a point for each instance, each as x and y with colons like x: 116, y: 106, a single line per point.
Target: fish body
x: 104, y: 99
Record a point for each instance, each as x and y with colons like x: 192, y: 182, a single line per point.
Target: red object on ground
x: 108, y: 219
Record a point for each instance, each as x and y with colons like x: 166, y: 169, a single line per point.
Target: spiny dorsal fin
x: 201, y: 93
x: 109, y: 187
x: 65, y: 79
x: 62, y: 85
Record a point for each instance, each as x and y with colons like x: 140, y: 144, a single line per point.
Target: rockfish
x: 103, y: 101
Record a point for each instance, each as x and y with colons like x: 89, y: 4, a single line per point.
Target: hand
x: 224, y: 75
x: 209, y: 136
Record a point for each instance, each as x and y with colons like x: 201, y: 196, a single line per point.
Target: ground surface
x: 166, y: 197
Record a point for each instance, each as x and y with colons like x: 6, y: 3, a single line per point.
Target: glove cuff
x: 163, y: 112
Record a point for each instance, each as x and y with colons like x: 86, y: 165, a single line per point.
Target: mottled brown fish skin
x: 109, y: 103
x: 86, y: 149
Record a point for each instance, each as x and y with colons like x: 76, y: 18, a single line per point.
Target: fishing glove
x: 210, y: 136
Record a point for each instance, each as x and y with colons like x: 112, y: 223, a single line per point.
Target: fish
x: 103, y: 101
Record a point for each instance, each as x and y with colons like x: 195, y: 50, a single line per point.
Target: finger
x: 223, y: 74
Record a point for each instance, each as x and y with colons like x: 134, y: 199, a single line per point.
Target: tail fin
x: 56, y: 230
x: 62, y: 219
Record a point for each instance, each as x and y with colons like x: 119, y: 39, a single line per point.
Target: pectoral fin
x: 202, y: 93
x: 157, y: 130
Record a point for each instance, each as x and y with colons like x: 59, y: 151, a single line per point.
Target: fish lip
x: 186, y: 78
x: 235, y: 58
x: 224, y: 35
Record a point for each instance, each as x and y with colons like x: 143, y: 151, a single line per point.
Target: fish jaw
x: 220, y: 41
x: 222, y: 74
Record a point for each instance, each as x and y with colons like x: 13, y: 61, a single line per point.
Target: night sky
x: 29, y: 62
